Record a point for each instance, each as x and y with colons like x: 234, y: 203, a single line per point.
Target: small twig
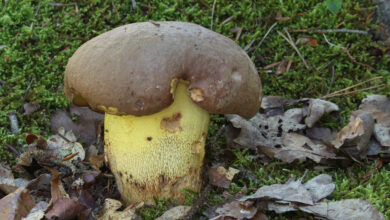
x: 303, y: 176
x: 14, y: 122
x: 261, y: 42
x: 63, y: 137
x: 327, y: 41
x: 26, y: 94
x: 212, y: 14
x: 350, y: 87
x: 13, y: 150
x: 227, y: 20
x: 355, y: 91
x: 289, y: 40
x: 330, y: 31
x: 290, y: 61
x: 155, y: 23
x: 331, y: 82
x: 198, y: 204
x: 238, y: 34
x: 326, y: 65
x: 353, y: 59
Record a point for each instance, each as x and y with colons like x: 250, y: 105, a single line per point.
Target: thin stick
x: 353, y: 86
x: 330, y: 31
x: 331, y: 82
x: 13, y: 150
x: 353, y: 59
x: 26, y: 94
x: 355, y: 91
x: 290, y: 61
x: 327, y: 41
x: 295, y: 48
x: 65, y: 138
x: 212, y: 14
x: 265, y: 36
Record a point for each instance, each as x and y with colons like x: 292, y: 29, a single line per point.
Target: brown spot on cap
x: 121, y: 68
x: 172, y: 124
x: 196, y: 95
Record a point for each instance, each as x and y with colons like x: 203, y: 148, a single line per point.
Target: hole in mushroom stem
x: 172, y: 124
x: 149, y: 138
x: 196, y: 95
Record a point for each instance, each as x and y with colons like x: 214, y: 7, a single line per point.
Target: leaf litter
x: 59, y: 177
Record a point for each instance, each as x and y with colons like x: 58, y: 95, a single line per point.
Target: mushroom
x: 157, y: 84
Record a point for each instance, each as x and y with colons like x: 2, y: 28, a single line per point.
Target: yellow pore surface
x: 158, y: 155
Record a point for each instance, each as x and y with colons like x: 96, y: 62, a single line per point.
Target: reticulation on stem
x: 158, y: 155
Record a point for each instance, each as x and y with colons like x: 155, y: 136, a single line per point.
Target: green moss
x: 39, y: 38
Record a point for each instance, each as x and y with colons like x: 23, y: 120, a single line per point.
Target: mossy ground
x: 38, y: 37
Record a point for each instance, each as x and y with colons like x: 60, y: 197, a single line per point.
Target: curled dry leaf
x: 299, y: 147
x: 356, y: 134
x: 308, y: 40
x: 221, y: 177
x: 282, y: 67
x: 84, y: 127
x: 379, y: 107
x: 31, y: 107
x: 269, y: 102
x: 65, y: 209
x: 16, y: 205
x: 382, y: 134
x: 175, y: 213
x: 236, y: 210
x: 38, y: 212
x: 109, y: 211
x: 324, y: 135
x: 320, y: 187
x: 291, y: 191
x: 317, y: 107
x: 64, y: 146
x: 57, y: 189
x: 266, y: 131
x: 7, y: 181
x: 348, y: 209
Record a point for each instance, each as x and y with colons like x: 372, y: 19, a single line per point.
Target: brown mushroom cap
x: 128, y: 70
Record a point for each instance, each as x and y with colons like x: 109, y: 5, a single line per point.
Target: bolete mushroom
x: 157, y: 84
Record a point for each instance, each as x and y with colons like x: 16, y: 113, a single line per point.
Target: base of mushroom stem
x: 159, y: 155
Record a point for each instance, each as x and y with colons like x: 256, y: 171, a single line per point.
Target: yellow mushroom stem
x: 158, y: 155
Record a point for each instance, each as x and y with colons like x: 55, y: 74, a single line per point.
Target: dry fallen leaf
x: 236, y: 210
x: 7, y: 181
x: 298, y: 147
x: 282, y: 67
x: 317, y: 107
x: 31, y: 107
x: 38, y: 212
x: 266, y: 131
x: 175, y: 213
x: 379, y: 107
x: 355, y: 137
x: 309, y: 40
x: 320, y: 187
x: 221, y: 177
x: 109, y: 211
x: 84, y: 127
x: 349, y: 209
x: 291, y: 191
x: 16, y: 205
x: 65, y: 209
